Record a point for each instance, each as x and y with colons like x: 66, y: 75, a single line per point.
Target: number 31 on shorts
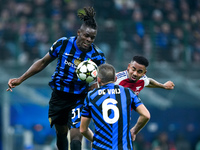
x: 76, y: 113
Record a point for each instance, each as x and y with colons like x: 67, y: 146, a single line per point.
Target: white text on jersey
x: 110, y: 91
x: 70, y: 64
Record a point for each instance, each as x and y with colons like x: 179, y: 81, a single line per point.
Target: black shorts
x: 63, y: 108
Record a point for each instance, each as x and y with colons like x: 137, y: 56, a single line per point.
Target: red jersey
x: 123, y: 80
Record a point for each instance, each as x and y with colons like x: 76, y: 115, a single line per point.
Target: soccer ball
x: 87, y: 71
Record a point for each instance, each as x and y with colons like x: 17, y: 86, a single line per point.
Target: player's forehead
x: 135, y: 65
x: 88, y: 30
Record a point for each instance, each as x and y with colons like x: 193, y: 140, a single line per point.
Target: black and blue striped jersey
x: 69, y: 56
x: 110, y: 108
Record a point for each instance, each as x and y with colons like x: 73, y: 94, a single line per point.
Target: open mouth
x: 86, y: 45
x: 133, y: 78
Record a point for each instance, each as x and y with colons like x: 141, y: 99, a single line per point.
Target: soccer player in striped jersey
x: 110, y: 108
x: 134, y: 77
x: 68, y: 93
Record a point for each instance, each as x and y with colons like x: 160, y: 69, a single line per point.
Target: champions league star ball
x: 87, y: 71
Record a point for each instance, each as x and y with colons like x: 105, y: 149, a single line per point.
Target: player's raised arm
x: 169, y: 85
x: 34, y: 69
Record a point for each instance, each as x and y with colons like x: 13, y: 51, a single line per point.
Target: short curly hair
x: 141, y: 60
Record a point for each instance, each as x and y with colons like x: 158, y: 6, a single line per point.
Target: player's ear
x: 78, y: 32
x: 128, y: 66
x: 115, y: 78
x: 98, y: 80
x: 145, y: 72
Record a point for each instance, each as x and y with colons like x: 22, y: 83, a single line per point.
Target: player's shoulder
x: 97, y: 55
x: 59, y: 41
x: 62, y: 39
x: 144, y: 77
x: 121, y: 74
x: 90, y: 92
x: 97, y: 49
x: 93, y: 91
x: 66, y: 39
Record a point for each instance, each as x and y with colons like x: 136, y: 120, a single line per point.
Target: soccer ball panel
x: 83, y: 69
x: 94, y: 73
x: 90, y: 67
x: 89, y: 79
x: 82, y: 76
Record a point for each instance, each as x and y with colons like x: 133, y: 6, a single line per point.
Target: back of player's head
x: 106, y: 73
x: 88, y: 16
x: 141, y: 60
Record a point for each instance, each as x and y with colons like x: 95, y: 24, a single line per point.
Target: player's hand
x: 169, y: 85
x: 12, y: 83
x: 133, y: 136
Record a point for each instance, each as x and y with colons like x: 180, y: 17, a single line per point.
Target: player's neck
x: 106, y: 83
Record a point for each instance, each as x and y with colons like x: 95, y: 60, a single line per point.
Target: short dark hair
x: 88, y: 17
x: 141, y: 60
x: 106, y: 73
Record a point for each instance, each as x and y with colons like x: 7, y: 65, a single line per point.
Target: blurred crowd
x: 163, y: 142
x: 161, y: 30
x: 169, y: 29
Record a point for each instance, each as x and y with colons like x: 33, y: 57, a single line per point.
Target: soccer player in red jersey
x: 135, y: 76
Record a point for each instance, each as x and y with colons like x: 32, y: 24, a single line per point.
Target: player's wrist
x: 163, y: 86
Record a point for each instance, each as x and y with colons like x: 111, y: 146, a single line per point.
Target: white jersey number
x: 106, y: 106
x: 74, y: 113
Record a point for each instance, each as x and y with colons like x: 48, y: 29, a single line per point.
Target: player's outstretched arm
x: 169, y: 85
x: 144, y: 117
x: 35, y: 68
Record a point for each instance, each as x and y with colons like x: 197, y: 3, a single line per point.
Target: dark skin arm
x: 36, y: 67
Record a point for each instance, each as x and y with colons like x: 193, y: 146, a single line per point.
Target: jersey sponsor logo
x: 69, y: 64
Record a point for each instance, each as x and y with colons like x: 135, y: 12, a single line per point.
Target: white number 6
x: 107, y: 105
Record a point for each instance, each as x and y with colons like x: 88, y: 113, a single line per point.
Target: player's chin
x: 85, y: 46
x: 133, y: 80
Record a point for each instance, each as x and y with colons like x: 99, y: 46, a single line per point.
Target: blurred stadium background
x: 167, y: 32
